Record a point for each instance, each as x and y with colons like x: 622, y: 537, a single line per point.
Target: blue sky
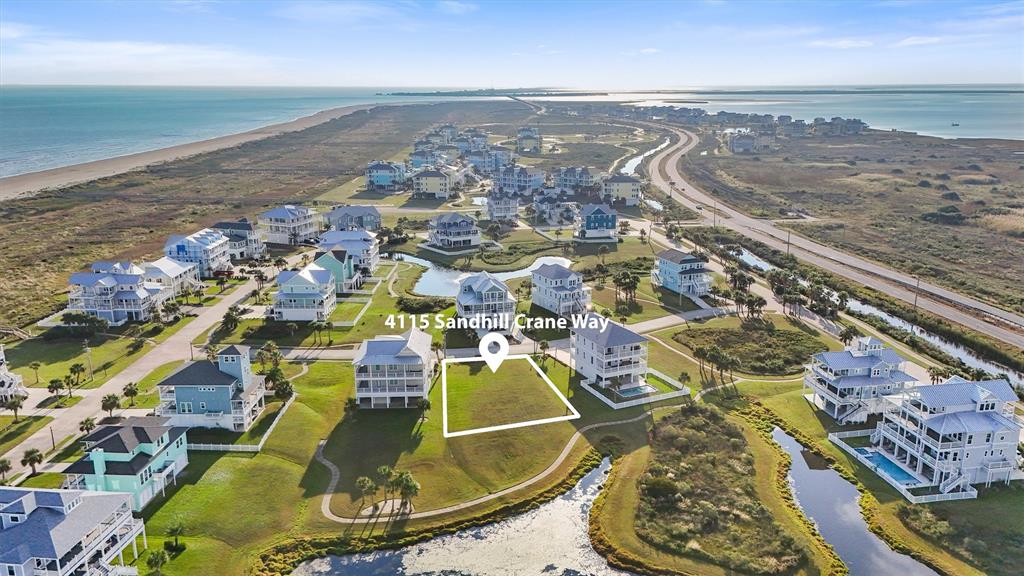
x: 605, y: 45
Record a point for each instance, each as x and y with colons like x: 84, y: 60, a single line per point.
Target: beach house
x: 528, y: 139
x: 353, y: 218
x: 487, y: 302
x: 502, y: 207
x: 595, y: 221
x: 360, y: 245
x: 140, y: 456
x: 575, y: 179
x: 289, y: 224
x: 521, y: 180
x: 851, y: 384
x: 453, y: 230
x: 207, y: 249
x: 623, y: 188
x: 611, y: 357
x: 46, y: 532
x: 11, y: 384
x: 386, y: 176
x: 245, y: 241
x: 432, y: 183
x: 347, y: 276
x: 559, y: 290
x: 305, y: 295
x: 423, y: 157
x: 172, y: 275
x: 117, y: 292
x: 554, y: 210
x: 394, y: 371
x: 214, y: 394
x: 681, y: 272
x: 948, y: 436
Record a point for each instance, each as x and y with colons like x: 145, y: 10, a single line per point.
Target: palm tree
x: 292, y: 328
x: 848, y: 334
x: 544, y: 345
x: 5, y: 467
x: 424, y: 405
x: 32, y: 458
x: 35, y: 366
x: 260, y: 278
x: 602, y: 251
x: 273, y: 352
x: 87, y: 425
x: 110, y: 403
x: 387, y: 474
x: 176, y: 530
x: 316, y: 331
x: 936, y: 373
x: 262, y: 357
x: 130, y: 391
x: 69, y: 383
x: 156, y: 560
x: 643, y: 236
x: 14, y: 403
x: 232, y: 318
x: 55, y: 386
x: 366, y: 487
x: 280, y: 263
x: 408, y: 487
x: 76, y: 370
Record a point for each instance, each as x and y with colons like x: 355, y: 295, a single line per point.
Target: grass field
x: 651, y: 302
x: 107, y: 357
x: 12, y: 433
x: 251, y: 436
x: 478, y: 398
x: 149, y: 395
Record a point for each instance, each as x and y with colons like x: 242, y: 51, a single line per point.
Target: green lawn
x: 251, y: 436
x: 664, y: 359
x: 149, y: 396
x: 107, y: 356
x: 44, y: 480
x: 347, y: 310
x: 12, y: 433
x: 651, y: 302
x: 478, y: 398
x: 59, y: 401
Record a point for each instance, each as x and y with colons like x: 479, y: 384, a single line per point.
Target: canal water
x: 832, y: 504
x: 953, y: 349
x: 551, y: 540
x: 633, y: 163
x: 441, y: 281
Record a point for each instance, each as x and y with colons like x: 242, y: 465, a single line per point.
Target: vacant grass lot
x: 651, y: 302
x: 478, y: 398
x: 12, y: 433
x: 882, y: 195
x: 108, y: 356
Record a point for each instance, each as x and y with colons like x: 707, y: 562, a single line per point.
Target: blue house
x: 140, y: 456
x: 681, y: 273
x: 596, y: 221
x: 385, y: 176
x: 222, y: 394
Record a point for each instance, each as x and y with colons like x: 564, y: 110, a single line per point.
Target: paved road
x: 881, y: 278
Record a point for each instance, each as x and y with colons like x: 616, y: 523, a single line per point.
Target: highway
x: 985, y: 318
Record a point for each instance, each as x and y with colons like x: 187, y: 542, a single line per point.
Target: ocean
x: 45, y: 127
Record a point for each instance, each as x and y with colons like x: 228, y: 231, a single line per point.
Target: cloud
x: 649, y: 50
x: 919, y: 41
x: 842, y: 43
x: 455, y: 7
x: 15, y: 30
x: 641, y: 52
x: 356, y: 12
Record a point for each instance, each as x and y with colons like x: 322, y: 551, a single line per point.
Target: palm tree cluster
x: 628, y: 282
x: 714, y: 358
x: 393, y: 482
x: 319, y: 327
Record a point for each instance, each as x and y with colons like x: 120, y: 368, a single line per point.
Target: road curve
x: 873, y: 275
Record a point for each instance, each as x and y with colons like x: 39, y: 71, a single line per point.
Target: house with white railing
x: 306, y: 295
x: 522, y: 180
x: 207, y: 249
x: 453, y: 230
x: 528, y: 139
x: 609, y: 355
x: 172, y: 275
x: 394, y: 371
x: 681, y: 272
x: 11, y: 384
x: 117, y: 292
x: 289, y: 224
x: 501, y: 206
x: 353, y: 217
x: 623, y: 188
x: 140, y: 455
x: 488, y: 302
x: 245, y: 240
x: 214, y: 394
x: 942, y: 440
x: 852, y: 384
x: 432, y: 183
x: 388, y: 176
x: 46, y: 532
x: 559, y: 290
x: 360, y: 245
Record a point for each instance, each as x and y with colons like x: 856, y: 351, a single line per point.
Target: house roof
x: 138, y: 463
x: 413, y: 347
x: 862, y: 381
x: 48, y: 532
x: 678, y: 257
x: 311, y: 274
x: 623, y: 178
x: 198, y: 373
x: 969, y: 422
x: 430, y: 173
x: 385, y: 166
x: 588, y: 209
x: 335, y: 236
x: 554, y: 272
x: 452, y: 218
x: 242, y: 225
x: 338, y: 254
x: 482, y: 281
x: 958, y: 392
x: 235, y: 350
x: 124, y: 267
x: 128, y: 435
x: 204, y: 237
x: 612, y: 335
x: 170, y: 266
x: 846, y: 360
x: 288, y: 211
x: 355, y: 210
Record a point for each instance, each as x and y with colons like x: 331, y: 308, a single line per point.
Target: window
x: 202, y: 405
x: 185, y: 408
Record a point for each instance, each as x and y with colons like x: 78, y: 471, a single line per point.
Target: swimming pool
x: 636, y: 390
x: 887, y: 466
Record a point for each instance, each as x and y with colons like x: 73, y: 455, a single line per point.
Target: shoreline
x: 30, y: 183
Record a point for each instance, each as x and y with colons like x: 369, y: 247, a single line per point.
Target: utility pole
x: 917, y: 290
x: 52, y: 440
x: 715, y: 213
x: 788, y: 234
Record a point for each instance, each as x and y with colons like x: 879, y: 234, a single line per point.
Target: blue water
x: 45, y: 127
x: 890, y: 468
x: 636, y: 390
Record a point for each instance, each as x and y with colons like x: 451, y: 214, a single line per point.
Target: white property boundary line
x: 444, y: 399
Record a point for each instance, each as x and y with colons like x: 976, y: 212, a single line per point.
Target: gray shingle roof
x: 613, y: 334
x: 589, y: 209
x: 124, y: 437
x: 198, y: 373
x: 678, y: 257
x: 132, y: 467
x: 623, y: 178
x: 554, y: 271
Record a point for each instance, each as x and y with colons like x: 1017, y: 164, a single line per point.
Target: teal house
x: 346, y: 277
x: 140, y: 456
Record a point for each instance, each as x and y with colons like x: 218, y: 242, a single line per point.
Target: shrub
x: 426, y: 305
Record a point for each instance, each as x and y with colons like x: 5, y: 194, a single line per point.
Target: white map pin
x: 494, y: 359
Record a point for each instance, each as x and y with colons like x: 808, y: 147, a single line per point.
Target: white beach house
x: 354, y: 217
x: 453, y: 230
x: 117, y: 292
x: 207, y: 249
x: 488, y: 300
x: 681, y: 272
x: 305, y: 295
x: 361, y: 246
x: 11, y: 384
x: 245, y: 240
x: 559, y: 290
x: 502, y: 207
x: 172, y: 275
x: 623, y: 188
x: 615, y: 357
x: 522, y: 180
x: 394, y: 371
x: 289, y: 224
x: 851, y: 384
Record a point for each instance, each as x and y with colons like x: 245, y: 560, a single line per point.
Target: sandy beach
x: 26, y: 184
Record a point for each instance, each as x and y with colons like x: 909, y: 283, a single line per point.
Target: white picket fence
x: 251, y: 448
x: 637, y: 402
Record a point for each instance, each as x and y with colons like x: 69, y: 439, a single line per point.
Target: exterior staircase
x: 876, y: 436
x: 848, y: 417
x: 952, y: 483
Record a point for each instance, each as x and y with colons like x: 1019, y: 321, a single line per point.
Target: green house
x: 140, y: 456
x: 338, y: 261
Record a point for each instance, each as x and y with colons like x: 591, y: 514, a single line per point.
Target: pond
x: 550, y: 540
x: 654, y: 204
x: 479, y: 200
x: 833, y: 505
x: 633, y: 163
x: 441, y: 281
